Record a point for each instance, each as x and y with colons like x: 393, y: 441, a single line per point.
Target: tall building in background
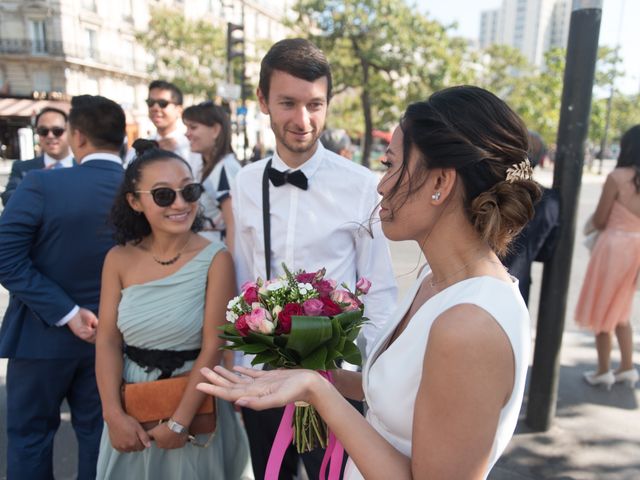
x: 489, y: 27
x: 531, y: 26
x: 51, y: 50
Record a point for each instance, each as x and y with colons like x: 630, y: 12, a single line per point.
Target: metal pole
x: 579, y: 73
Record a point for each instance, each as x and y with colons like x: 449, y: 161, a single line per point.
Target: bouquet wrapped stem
x: 310, y: 431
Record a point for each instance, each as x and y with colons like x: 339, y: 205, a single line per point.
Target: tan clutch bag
x: 153, y: 402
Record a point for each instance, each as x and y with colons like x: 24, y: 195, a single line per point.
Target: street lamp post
x: 582, y: 51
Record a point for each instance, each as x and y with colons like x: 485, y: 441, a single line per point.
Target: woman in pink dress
x: 610, y: 282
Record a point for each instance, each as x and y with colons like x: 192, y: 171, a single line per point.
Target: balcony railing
x: 16, y: 46
x: 21, y: 46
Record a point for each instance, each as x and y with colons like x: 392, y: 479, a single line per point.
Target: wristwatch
x: 175, y: 427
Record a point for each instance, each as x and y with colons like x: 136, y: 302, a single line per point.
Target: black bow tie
x: 296, y: 178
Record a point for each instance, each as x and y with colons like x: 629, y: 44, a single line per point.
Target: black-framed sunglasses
x: 44, y: 131
x: 165, y: 196
x: 162, y: 103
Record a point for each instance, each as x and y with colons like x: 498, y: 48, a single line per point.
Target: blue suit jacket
x: 18, y: 171
x: 54, y: 235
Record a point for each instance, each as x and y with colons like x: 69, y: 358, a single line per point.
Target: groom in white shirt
x: 320, y: 205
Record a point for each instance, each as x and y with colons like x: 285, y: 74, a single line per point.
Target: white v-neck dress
x: 391, y: 377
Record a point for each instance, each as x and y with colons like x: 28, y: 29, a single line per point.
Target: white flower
x: 277, y: 285
x: 231, y: 316
x: 233, y: 302
x: 276, y: 310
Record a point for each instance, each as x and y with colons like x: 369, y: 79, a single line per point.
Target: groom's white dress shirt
x: 327, y: 226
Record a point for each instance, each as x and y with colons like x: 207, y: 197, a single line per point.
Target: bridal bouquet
x: 298, y: 320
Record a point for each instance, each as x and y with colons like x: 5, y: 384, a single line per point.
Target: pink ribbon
x: 332, y: 455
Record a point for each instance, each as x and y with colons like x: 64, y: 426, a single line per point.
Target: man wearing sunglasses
x: 164, y: 102
x: 51, y: 128
x: 54, y: 236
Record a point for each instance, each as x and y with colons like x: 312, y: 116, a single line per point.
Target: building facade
x: 51, y: 50
x: 531, y: 26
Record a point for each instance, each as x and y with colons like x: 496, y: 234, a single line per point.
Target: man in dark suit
x: 51, y: 127
x: 54, y: 235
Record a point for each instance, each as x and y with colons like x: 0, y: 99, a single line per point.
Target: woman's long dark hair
x: 132, y: 226
x: 209, y: 114
x: 630, y: 153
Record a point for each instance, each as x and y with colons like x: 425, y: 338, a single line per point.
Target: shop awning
x: 26, y: 107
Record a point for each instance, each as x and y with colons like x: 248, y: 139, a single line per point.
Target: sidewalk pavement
x: 595, y: 434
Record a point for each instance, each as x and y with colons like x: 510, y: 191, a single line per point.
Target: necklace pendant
x: 171, y: 261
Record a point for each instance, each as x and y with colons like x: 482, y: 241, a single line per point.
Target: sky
x: 619, y: 24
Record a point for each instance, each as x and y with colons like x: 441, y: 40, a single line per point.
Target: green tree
x: 190, y: 53
x: 384, y: 50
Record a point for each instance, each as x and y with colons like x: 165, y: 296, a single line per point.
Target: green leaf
x: 347, y: 319
x: 254, y: 337
x: 351, y: 354
x: 307, y: 333
x: 316, y: 360
x: 253, y: 348
x: 265, y: 357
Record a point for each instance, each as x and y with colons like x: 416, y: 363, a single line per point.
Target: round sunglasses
x: 165, y: 196
x: 44, y: 131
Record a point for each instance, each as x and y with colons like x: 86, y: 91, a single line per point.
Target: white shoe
x: 630, y: 377
x: 607, y: 379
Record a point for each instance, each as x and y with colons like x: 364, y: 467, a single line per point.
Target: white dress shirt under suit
x: 324, y: 226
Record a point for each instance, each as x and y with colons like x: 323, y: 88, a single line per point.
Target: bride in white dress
x: 445, y: 381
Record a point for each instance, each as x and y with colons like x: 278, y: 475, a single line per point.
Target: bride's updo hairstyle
x: 129, y: 225
x: 474, y: 132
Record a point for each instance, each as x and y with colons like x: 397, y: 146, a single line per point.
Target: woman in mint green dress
x: 164, y: 293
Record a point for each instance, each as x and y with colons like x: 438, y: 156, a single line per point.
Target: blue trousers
x: 35, y: 391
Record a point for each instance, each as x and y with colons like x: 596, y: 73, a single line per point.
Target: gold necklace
x: 433, y: 284
x: 172, y: 260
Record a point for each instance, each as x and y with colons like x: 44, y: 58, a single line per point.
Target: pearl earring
x: 436, y: 196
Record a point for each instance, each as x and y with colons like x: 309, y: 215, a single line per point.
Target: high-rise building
x: 531, y: 26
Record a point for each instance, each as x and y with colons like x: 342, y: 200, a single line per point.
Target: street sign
x: 241, y: 111
x: 228, y: 91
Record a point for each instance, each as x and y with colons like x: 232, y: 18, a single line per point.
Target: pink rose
x: 312, y: 307
x: 325, y: 287
x: 363, y: 286
x: 284, y: 317
x: 259, y: 320
x: 330, y: 308
x: 305, y: 277
x: 247, y: 286
x: 345, y: 299
x: 250, y: 295
x: 241, y: 325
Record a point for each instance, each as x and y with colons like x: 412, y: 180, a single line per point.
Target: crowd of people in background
x: 120, y: 270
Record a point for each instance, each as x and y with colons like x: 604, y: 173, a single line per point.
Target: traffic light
x: 235, y: 41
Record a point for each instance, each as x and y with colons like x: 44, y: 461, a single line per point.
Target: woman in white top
x: 209, y: 133
x: 445, y: 380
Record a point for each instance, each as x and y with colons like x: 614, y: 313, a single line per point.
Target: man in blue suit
x: 51, y: 127
x: 54, y: 235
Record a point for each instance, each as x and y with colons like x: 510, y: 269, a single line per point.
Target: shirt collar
x: 308, y: 168
x: 102, y: 156
x: 66, y: 161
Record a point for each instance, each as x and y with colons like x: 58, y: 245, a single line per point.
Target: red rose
x: 306, y: 277
x: 324, y: 287
x: 241, y: 325
x: 330, y: 307
x: 250, y: 295
x: 284, y: 317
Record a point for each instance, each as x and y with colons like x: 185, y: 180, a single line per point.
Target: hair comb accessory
x: 520, y: 171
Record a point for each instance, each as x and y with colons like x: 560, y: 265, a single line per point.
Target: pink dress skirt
x: 610, y: 282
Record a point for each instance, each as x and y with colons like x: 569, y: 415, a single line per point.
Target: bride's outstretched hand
x: 258, y: 389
